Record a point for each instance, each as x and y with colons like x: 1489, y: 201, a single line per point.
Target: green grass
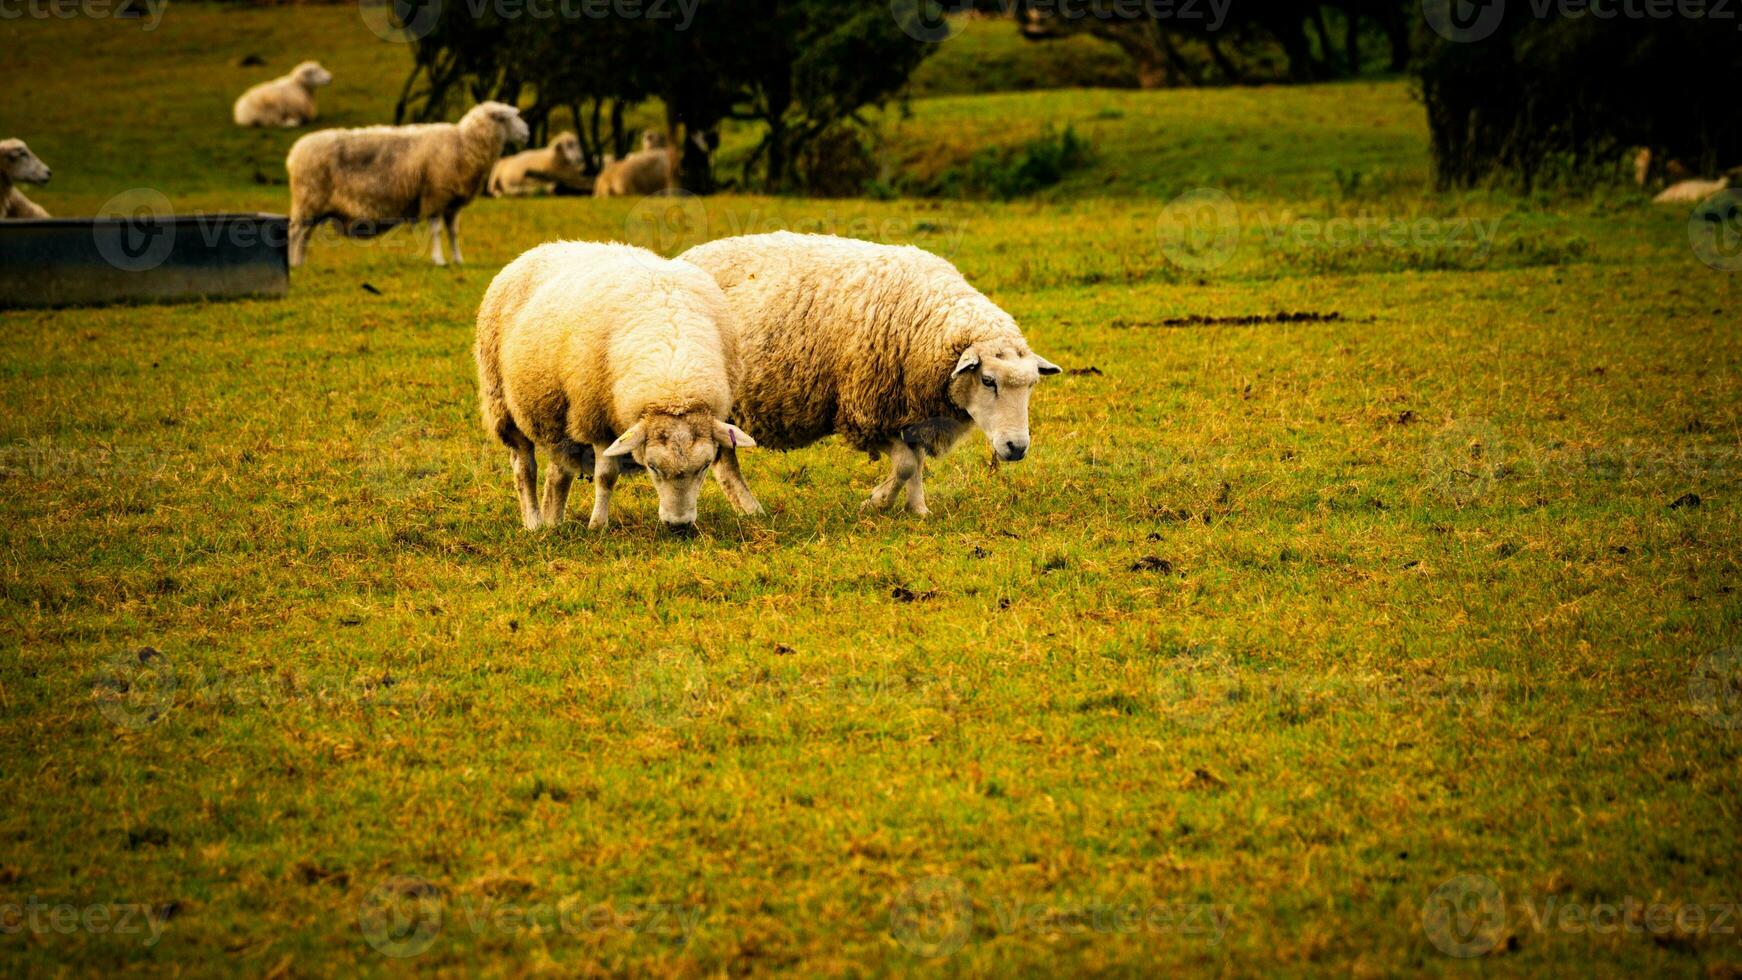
x: 1425, y: 610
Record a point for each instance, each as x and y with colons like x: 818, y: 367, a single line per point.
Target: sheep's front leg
x: 731, y: 481
x: 605, y: 470
x: 556, y: 494
x: 905, y: 464
x: 452, y: 223
x: 435, y: 240
x: 298, y: 241
x: 526, y: 483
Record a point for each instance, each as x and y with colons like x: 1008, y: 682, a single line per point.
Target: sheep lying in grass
x: 20, y: 166
x: 605, y: 353
x: 647, y: 171
x: 888, y: 346
x: 287, y: 101
x: 532, y: 171
x: 1695, y: 191
x: 367, y: 181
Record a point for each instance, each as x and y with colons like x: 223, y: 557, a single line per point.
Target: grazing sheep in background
x: 532, y: 171
x: 595, y: 352
x: 1694, y: 191
x: 647, y: 171
x: 288, y: 100
x: 887, y: 345
x: 20, y: 166
x: 367, y: 181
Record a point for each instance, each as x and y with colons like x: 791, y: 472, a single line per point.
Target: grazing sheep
x: 287, y: 101
x: 20, y: 166
x: 532, y: 171
x: 367, y: 181
x: 888, y: 346
x: 596, y: 352
x: 647, y: 171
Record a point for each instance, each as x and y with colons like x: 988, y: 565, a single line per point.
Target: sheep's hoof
x: 920, y: 511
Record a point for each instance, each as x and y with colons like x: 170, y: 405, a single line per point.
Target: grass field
x: 1362, y: 639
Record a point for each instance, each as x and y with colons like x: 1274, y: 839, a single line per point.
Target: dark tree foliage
x: 1545, y: 97
x: 800, y: 68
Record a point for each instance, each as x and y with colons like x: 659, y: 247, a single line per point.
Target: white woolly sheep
x: 887, y: 345
x: 286, y: 101
x: 1691, y: 191
x: 20, y: 166
x: 531, y: 171
x: 604, y: 353
x: 647, y: 171
x: 367, y: 181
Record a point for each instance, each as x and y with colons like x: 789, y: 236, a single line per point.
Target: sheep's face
x: 310, y: 74
x: 21, y: 165
x: 568, y: 149
x: 507, y: 120
x: 993, y: 386
x: 677, y: 450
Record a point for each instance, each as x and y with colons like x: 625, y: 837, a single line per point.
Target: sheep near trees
x: 604, y: 355
x: 887, y: 345
x: 531, y: 171
x: 286, y: 101
x: 648, y: 171
x: 367, y: 181
x: 19, y: 166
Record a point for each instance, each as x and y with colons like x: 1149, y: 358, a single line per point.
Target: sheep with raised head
x: 889, y: 346
x: 369, y: 180
x: 531, y: 171
x: 20, y: 166
x: 604, y: 356
x: 646, y: 171
x: 287, y: 101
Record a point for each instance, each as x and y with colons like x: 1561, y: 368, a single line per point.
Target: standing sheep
x: 887, y: 345
x: 367, y: 181
x: 286, y: 101
x: 531, y: 171
x: 20, y: 166
x: 596, y: 352
x: 646, y: 171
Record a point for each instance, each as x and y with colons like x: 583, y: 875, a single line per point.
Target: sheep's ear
x: 969, y: 361
x: 629, y: 441
x: 729, y: 435
x: 1046, y: 366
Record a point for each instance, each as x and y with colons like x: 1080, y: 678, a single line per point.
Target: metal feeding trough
x: 144, y: 257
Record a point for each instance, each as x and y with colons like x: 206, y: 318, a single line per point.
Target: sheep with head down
x: 369, y: 180
x: 287, y: 101
x: 607, y: 356
x: 889, y: 346
x: 20, y: 166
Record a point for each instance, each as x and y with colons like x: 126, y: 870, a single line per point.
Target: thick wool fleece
x: 849, y: 337
x: 531, y: 171
x: 288, y: 100
x: 577, y: 341
x: 373, y: 178
x: 638, y: 174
